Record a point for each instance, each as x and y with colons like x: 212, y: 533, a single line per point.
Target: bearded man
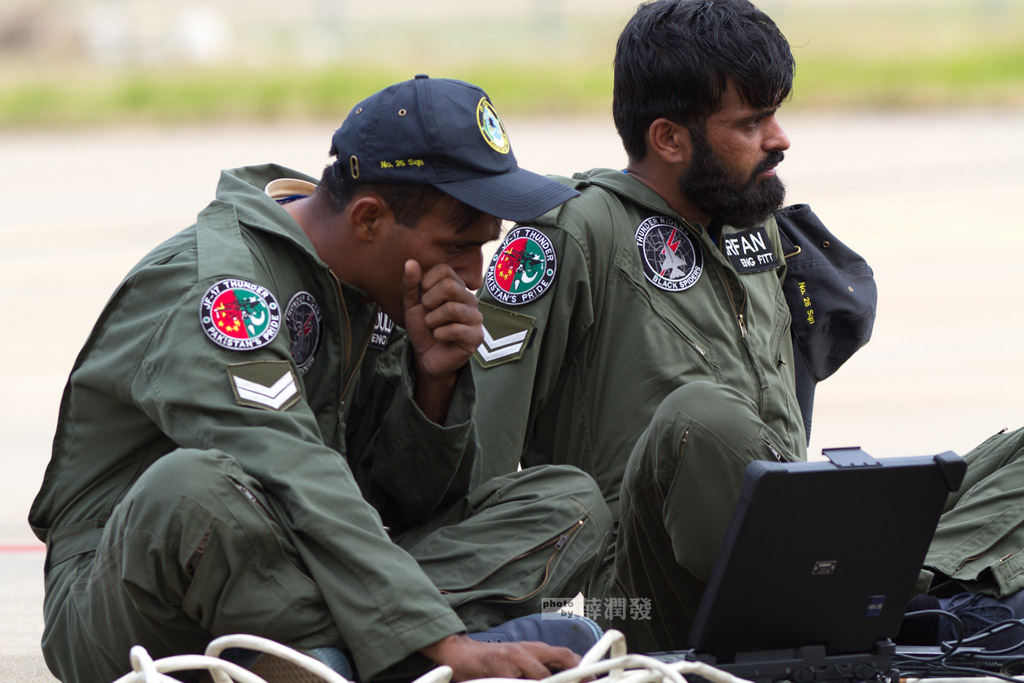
x: 651, y: 345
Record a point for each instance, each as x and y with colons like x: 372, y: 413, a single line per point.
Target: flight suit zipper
x: 556, y: 544
x: 348, y: 349
x: 999, y: 540
x: 738, y: 312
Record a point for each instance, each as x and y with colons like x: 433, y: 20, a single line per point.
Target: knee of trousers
x: 178, y: 497
x: 716, y: 408
x: 558, y: 484
x: 185, y: 471
x: 685, y: 471
x: 201, y: 476
x: 709, y: 422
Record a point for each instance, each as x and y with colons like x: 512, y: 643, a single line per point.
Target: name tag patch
x: 750, y: 251
x: 268, y: 384
x: 381, y: 336
x: 671, y: 259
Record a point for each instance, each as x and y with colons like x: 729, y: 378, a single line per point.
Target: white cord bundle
x: 146, y: 670
x: 619, y: 667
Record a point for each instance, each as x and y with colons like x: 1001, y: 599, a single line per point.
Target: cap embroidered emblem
x: 523, y: 267
x: 239, y: 315
x: 491, y: 126
x: 670, y: 258
x: 303, y: 319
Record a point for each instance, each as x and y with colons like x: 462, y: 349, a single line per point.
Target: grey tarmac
x: 931, y: 199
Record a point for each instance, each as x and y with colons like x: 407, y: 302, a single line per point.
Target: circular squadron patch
x: 522, y: 268
x: 670, y: 258
x: 491, y: 127
x: 303, y: 318
x: 239, y: 315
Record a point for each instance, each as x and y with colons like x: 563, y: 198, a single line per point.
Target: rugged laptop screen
x: 823, y: 553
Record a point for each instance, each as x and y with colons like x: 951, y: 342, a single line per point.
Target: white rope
x: 249, y: 642
x: 146, y: 670
x: 619, y: 667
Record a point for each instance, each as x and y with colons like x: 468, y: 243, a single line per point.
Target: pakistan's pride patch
x: 523, y: 267
x: 239, y: 315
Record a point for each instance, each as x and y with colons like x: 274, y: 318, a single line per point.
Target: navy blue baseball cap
x: 832, y: 295
x: 445, y: 133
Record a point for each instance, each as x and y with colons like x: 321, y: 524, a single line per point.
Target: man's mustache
x: 770, y: 161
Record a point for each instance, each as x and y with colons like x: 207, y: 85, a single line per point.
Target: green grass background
x: 945, y: 53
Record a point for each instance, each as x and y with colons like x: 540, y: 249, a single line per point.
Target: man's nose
x: 472, y: 270
x: 776, y: 139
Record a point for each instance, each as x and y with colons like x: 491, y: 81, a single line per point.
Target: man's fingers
x: 441, y: 271
x: 411, y: 282
x: 470, y: 659
x: 436, y: 292
x: 453, y: 312
x: 556, y: 658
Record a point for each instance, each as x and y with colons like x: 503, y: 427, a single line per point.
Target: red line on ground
x: 24, y: 548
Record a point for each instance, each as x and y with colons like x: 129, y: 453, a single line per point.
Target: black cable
x: 958, y: 658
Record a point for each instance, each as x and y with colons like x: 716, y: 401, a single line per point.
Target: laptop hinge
x: 853, y: 456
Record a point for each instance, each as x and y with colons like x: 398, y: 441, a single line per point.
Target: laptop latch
x: 852, y: 456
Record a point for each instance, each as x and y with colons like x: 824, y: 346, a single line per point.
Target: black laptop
x: 818, y: 565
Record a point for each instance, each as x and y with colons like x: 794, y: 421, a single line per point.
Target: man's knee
x: 563, y: 488
x: 564, y: 480
x: 717, y: 408
x: 177, y: 500
x: 185, y: 471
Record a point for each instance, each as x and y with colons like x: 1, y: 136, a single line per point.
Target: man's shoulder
x: 598, y: 200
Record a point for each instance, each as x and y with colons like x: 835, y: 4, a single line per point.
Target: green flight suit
x: 977, y: 545
x: 238, y: 450
x: 622, y: 340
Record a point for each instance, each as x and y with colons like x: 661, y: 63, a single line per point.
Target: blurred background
x: 80, y: 62
x: 116, y: 116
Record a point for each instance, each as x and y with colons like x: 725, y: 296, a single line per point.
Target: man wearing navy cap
x: 270, y: 429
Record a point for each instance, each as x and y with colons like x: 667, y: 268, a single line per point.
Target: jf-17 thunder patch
x: 523, y: 267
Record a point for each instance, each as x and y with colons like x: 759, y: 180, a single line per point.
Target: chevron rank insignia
x: 267, y: 384
x: 506, y: 335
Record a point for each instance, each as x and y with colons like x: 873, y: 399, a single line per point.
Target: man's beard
x: 713, y: 190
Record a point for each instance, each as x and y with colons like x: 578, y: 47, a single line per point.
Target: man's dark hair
x: 409, y: 203
x: 675, y: 58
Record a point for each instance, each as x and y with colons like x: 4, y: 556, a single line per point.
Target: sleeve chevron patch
x: 506, y: 336
x: 270, y: 384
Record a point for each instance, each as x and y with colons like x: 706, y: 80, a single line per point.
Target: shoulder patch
x: 506, y: 336
x: 671, y: 259
x: 523, y: 267
x: 267, y: 384
x: 304, y: 320
x: 239, y: 315
x: 750, y: 251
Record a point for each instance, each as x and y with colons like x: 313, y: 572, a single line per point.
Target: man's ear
x: 669, y: 141
x: 366, y: 215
